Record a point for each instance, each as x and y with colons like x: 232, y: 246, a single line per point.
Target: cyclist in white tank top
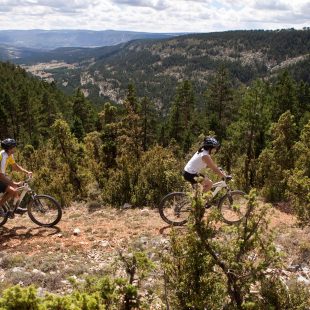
x: 200, y: 160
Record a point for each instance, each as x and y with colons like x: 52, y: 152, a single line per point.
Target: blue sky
x: 154, y: 15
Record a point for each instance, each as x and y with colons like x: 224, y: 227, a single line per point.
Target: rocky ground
x: 88, y: 241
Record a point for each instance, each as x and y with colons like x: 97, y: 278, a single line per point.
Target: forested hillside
x: 132, y: 147
x: 157, y: 66
x: 28, y: 107
x: 134, y: 153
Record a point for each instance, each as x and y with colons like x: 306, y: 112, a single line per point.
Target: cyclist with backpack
x: 7, y: 186
x: 200, y: 160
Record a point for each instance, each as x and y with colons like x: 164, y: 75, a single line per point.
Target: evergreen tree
x: 149, y: 121
x: 285, y: 95
x: 130, y: 139
x: 303, y: 109
x: 49, y: 110
x: 275, y: 161
x: 72, y: 154
x: 93, y: 156
x: 123, y: 177
x: 247, y: 135
x: 299, y: 178
x: 181, y: 116
x: 77, y: 128
x: 83, y: 110
x: 219, y: 105
x: 110, y: 132
x: 4, y: 115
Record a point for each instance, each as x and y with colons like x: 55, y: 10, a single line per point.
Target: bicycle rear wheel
x: 44, y: 210
x: 233, y: 207
x: 3, y: 215
x: 175, y: 208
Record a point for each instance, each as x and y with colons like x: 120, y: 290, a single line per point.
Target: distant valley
x: 156, y: 65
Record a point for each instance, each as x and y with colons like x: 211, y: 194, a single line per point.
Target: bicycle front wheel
x: 175, y: 208
x: 233, y: 207
x: 44, y: 210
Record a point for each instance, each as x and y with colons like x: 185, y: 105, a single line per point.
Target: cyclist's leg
x: 194, y: 179
x: 10, y: 192
x: 207, y: 184
x: 3, y: 189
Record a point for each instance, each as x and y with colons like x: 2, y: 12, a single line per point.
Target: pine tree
x: 123, y: 177
x: 83, y: 110
x: 299, y: 178
x: 149, y: 123
x: 72, y: 154
x: 219, y: 105
x: 285, y: 95
x: 109, y: 134
x: 247, y: 135
x: 181, y: 116
x: 130, y: 139
x: 275, y: 161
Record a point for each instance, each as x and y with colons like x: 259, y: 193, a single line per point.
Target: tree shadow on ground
x: 166, y: 230
x: 283, y: 207
x: 22, y: 233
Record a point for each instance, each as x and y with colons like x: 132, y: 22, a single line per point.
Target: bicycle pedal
x: 20, y: 211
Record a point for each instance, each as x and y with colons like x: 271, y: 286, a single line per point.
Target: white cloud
x: 154, y: 4
x: 154, y: 15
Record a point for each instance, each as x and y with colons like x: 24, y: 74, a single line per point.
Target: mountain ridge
x: 156, y: 66
x: 51, y: 39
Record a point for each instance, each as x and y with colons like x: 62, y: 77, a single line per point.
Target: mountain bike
x: 175, y: 207
x: 43, y: 210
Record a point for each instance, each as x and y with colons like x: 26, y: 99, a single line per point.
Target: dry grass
x: 59, y: 253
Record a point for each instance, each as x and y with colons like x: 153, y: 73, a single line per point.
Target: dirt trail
x: 115, y: 227
x: 86, y: 243
x: 20, y: 235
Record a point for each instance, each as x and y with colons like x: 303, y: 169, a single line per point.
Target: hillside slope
x: 156, y: 66
x: 87, y: 242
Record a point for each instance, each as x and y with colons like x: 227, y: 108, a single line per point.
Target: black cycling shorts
x: 190, y: 177
x: 3, y: 186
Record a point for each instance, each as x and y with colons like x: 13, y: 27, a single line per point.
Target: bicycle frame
x: 25, y: 188
x: 218, y: 186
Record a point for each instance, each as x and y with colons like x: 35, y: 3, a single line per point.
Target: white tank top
x: 196, y: 163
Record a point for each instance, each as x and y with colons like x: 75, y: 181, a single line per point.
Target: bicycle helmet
x: 210, y: 143
x: 7, y: 144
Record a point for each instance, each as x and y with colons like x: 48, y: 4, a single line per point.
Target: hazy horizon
x: 155, y: 16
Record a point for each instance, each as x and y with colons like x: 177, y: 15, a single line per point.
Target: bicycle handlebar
x: 228, y: 178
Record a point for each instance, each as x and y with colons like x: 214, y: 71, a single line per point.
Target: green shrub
x: 20, y: 298
x: 160, y: 173
x: 217, y: 266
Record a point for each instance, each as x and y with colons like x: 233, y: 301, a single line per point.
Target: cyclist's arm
x: 19, y: 168
x: 210, y: 163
